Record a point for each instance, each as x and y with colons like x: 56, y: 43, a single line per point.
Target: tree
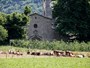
x: 27, y: 10
x: 16, y: 23
x: 72, y: 18
x: 3, y: 33
x: 2, y: 19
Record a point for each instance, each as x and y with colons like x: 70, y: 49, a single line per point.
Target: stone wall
x: 40, y: 27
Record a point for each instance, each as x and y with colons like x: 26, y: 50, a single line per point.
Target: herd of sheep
x: 56, y: 53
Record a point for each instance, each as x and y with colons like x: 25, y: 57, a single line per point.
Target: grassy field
x: 44, y: 62
x: 7, y: 48
x: 41, y: 62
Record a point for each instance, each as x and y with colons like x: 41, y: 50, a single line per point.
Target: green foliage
x: 54, y: 45
x: 19, y: 43
x: 16, y: 23
x: 3, y: 33
x: 2, y: 19
x: 19, y: 19
x: 27, y: 10
x: 7, y: 48
x: 13, y: 26
x: 73, y: 17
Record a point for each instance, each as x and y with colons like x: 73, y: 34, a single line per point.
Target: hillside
x: 9, y: 6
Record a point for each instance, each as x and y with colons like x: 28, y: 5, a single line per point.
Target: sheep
x: 11, y: 52
x: 28, y: 52
x: 80, y: 56
x: 47, y: 53
x: 69, y: 54
x: 58, y: 53
x: 15, y: 52
x: 35, y: 53
x: 18, y: 53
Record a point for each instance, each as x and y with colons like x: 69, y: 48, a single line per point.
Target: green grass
x: 7, y: 48
x: 45, y: 62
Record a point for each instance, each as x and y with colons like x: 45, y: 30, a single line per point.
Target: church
x: 41, y: 27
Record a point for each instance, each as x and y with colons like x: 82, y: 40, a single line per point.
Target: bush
x: 19, y: 43
x: 54, y: 45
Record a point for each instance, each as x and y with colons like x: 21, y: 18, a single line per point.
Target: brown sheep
x: 18, y: 53
x: 47, y: 53
x: 35, y: 53
x: 58, y: 53
x: 69, y: 54
x: 11, y: 52
x: 28, y: 52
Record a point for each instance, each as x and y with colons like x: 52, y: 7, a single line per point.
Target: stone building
x: 47, y: 10
x: 41, y: 26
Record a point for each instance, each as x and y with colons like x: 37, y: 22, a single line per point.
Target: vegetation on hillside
x: 9, y: 6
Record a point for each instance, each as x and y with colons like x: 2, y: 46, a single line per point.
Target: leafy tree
x: 3, y: 33
x: 72, y: 18
x: 2, y: 19
x: 16, y: 23
x: 27, y: 10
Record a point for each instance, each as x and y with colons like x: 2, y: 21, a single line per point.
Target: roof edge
x: 41, y: 15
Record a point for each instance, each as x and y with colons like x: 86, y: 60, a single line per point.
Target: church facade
x: 41, y: 26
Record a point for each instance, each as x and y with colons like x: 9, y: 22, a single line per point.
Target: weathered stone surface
x: 40, y: 28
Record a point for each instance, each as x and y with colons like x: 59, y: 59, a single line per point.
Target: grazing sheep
x: 11, y: 52
x: 15, y: 52
x: 80, y: 56
x: 18, y: 53
x: 35, y: 53
x: 58, y: 53
x: 69, y: 54
x: 48, y: 53
x: 28, y: 52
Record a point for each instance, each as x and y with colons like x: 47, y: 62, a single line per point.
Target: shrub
x: 54, y: 45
